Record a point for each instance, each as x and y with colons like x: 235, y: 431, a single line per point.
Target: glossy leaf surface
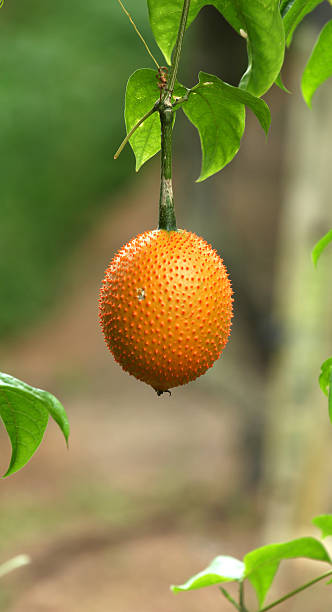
x: 220, y: 120
x: 319, y: 66
x: 24, y: 411
x: 324, y: 523
x: 221, y: 569
x: 320, y: 246
x: 259, y: 21
x: 141, y: 94
x: 293, y: 12
x: 262, y: 564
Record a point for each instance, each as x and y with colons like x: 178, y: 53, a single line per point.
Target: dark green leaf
x: 324, y: 523
x: 325, y: 382
x: 261, y: 564
x: 319, y: 66
x: 258, y: 106
x: 24, y: 411
x: 221, y: 569
x: 260, y: 22
x: 220, y: 121
x: 141, y: 94
x: 293, y: 11
x: 320, y: 246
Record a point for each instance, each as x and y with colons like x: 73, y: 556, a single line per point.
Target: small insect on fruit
x: 166, y: 307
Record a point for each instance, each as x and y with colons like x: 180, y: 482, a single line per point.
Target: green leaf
x: 263, y: 25
x: 319, y: 66
x: 221, y: 569
x: 293, y: 11
x: 220, y: 120
x: 217, y: 109
x: 259, y: 21
x: 325, y: 382
x: 324, y: 377
x: 320, y: 246
x: 324, y: 523
x: 24, y: 411
x: 262, y: 564
x: 141, y: 95
x: 279, y: 82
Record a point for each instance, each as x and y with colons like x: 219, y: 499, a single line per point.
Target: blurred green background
x: 64, y: 67
x: 150, y: 491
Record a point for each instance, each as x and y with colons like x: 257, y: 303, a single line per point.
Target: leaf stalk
x: 136, y: 126
x: 296, y: 591
x: 230, y: 598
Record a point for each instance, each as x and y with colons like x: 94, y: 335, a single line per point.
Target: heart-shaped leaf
x: 324, y: 523
x: 220, y: 120
x: 262, y: 563
x: 141, y: 95
x: 24, y: 411
x: 221, y: 569
x: 319, y: 66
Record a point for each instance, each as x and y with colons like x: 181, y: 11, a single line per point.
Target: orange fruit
x: 166, y: 307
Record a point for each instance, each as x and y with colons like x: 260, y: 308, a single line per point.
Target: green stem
x: 296, y: 591
x: 167, y: 220
x: 178, y: 47
x: 241, y: 598
x: 230, y: 598
x: 124, y: 142
x: 184, y: 98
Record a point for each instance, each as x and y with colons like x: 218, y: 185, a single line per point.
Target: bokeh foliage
x: 64, y: 67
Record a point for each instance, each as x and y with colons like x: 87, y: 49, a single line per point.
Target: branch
x: 133, y: 130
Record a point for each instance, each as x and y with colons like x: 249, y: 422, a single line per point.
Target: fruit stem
x: 167, y: 220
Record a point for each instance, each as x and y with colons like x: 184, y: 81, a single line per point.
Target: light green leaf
x: 13, y: 564
x: 324, y: 523
x: 262, y: 564
x: 24, y: 411
x: 324, y: 377
x: 259, y: 21
x: 325, y: 382
x: 320, y: 246
x: 221, y: 569
x: 293, y: 12
x: 319, y: 66
x: 220, y: 120
x: 141, y: 95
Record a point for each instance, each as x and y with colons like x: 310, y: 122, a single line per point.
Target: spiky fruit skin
x: 166, y: 307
